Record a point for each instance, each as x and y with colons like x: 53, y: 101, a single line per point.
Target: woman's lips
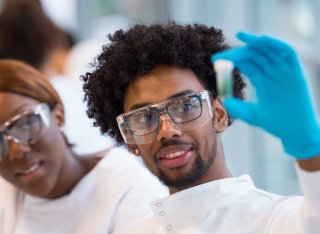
x: 31, y: 172
x: 30, y: 169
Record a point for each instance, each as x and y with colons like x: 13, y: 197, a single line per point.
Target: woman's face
x: 33, y: 168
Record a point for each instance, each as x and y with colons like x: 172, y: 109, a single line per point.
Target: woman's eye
x: 26, y: 122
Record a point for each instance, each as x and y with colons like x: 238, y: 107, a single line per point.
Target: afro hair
x: 139, y: 50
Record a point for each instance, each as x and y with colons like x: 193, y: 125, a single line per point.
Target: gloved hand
x: 283, y: 104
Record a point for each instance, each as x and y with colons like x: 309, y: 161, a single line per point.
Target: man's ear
x: 58, y: 115
x: 134, y: 150
x: 220, y: 115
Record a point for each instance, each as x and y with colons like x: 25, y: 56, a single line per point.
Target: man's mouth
x: 173, y: 156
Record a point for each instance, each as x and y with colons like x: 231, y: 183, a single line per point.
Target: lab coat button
x: 162, y: 213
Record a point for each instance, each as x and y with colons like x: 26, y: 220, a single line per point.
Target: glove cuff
x: 305, y: 151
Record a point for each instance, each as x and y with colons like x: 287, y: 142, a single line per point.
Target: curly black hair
x: 139, y: 50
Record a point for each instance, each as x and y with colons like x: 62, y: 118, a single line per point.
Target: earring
x: 61, y: 128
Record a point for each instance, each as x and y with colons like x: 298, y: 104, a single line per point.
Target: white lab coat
x: 112, y: 198
x: 236, y: 206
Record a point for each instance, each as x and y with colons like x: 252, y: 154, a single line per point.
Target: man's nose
x: 17, y: 151
x: 168, y: 129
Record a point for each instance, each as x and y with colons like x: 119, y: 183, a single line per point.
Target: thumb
x: 246, y: 37
x: 240, y: 110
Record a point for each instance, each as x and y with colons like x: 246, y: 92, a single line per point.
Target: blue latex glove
x: 283, y: 104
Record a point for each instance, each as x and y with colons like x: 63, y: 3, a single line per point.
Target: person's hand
x: 283, y: 104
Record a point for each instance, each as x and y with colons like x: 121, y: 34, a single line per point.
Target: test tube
x: 224, y: 75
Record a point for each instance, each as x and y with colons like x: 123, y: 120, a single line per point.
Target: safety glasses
x: 186, y: 113
x: 24, y: 128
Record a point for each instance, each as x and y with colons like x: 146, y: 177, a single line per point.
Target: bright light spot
x: 305, y: 21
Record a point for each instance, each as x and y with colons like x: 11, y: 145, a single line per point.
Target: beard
x: 199, y: 169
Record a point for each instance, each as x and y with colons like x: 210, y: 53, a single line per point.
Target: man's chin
x: 183, y: 181
x: 185, y: 177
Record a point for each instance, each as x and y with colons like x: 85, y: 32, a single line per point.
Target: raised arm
x: 283, y: 105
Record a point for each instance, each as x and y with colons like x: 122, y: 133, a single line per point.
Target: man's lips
x: 174, y: 156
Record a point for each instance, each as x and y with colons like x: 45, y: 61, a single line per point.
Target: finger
x: 282, y: 57
x: 251, y: 65
x: 241, y: 110
x: 261, y: 43
x: 248, y: 38
x: 252, y: 72
x: 264, y: 40
x: 233, y: 54
x: 272, y: 47
x: 241, y: 54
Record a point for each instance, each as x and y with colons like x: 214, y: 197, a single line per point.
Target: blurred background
x: 248, y: 150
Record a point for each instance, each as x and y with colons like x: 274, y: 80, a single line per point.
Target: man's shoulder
x: 145, y: 226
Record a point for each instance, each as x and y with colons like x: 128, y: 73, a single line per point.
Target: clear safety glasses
x: 24, y: 128
x: 186, y: 112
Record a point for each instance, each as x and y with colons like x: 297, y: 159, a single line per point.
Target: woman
x: 45, y: 187
x: 24, y: 24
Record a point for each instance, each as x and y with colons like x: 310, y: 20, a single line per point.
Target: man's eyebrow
x: 140, y: 105
x: 185, y: 92
x: 137, y: 106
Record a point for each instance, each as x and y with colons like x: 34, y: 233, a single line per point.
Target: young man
x: 159, y: 82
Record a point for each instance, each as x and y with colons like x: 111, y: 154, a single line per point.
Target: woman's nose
x: 17, y: 151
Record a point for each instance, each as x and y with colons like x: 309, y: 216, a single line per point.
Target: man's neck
x: 218, y: 170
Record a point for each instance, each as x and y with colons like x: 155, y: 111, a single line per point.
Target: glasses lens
x: 191, y: 112
x: 143, y: 125
x: 195, y: 111
x: 140, y: 127
x: 3, y: 147
x: 185, y: 109
x: 143, y: 122
x: 25, y: 129
x: 187, y: 113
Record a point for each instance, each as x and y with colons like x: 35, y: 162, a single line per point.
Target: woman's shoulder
x: 121, y: 157
x: 11, y: 200
x: 120, y: 166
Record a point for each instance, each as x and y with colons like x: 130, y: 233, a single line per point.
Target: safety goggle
x: 24, y: 128
x: 186, y: 113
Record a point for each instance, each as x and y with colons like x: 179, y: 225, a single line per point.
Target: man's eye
x: 185, y: 106
x: 147, y: 118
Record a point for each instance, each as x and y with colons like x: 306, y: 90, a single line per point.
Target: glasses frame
x: 42, y: 109
x: 161, y: 108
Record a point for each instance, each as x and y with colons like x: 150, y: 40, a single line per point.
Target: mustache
x: 169, y: 142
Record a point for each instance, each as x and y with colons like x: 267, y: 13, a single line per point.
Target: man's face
x: 180, y: 159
